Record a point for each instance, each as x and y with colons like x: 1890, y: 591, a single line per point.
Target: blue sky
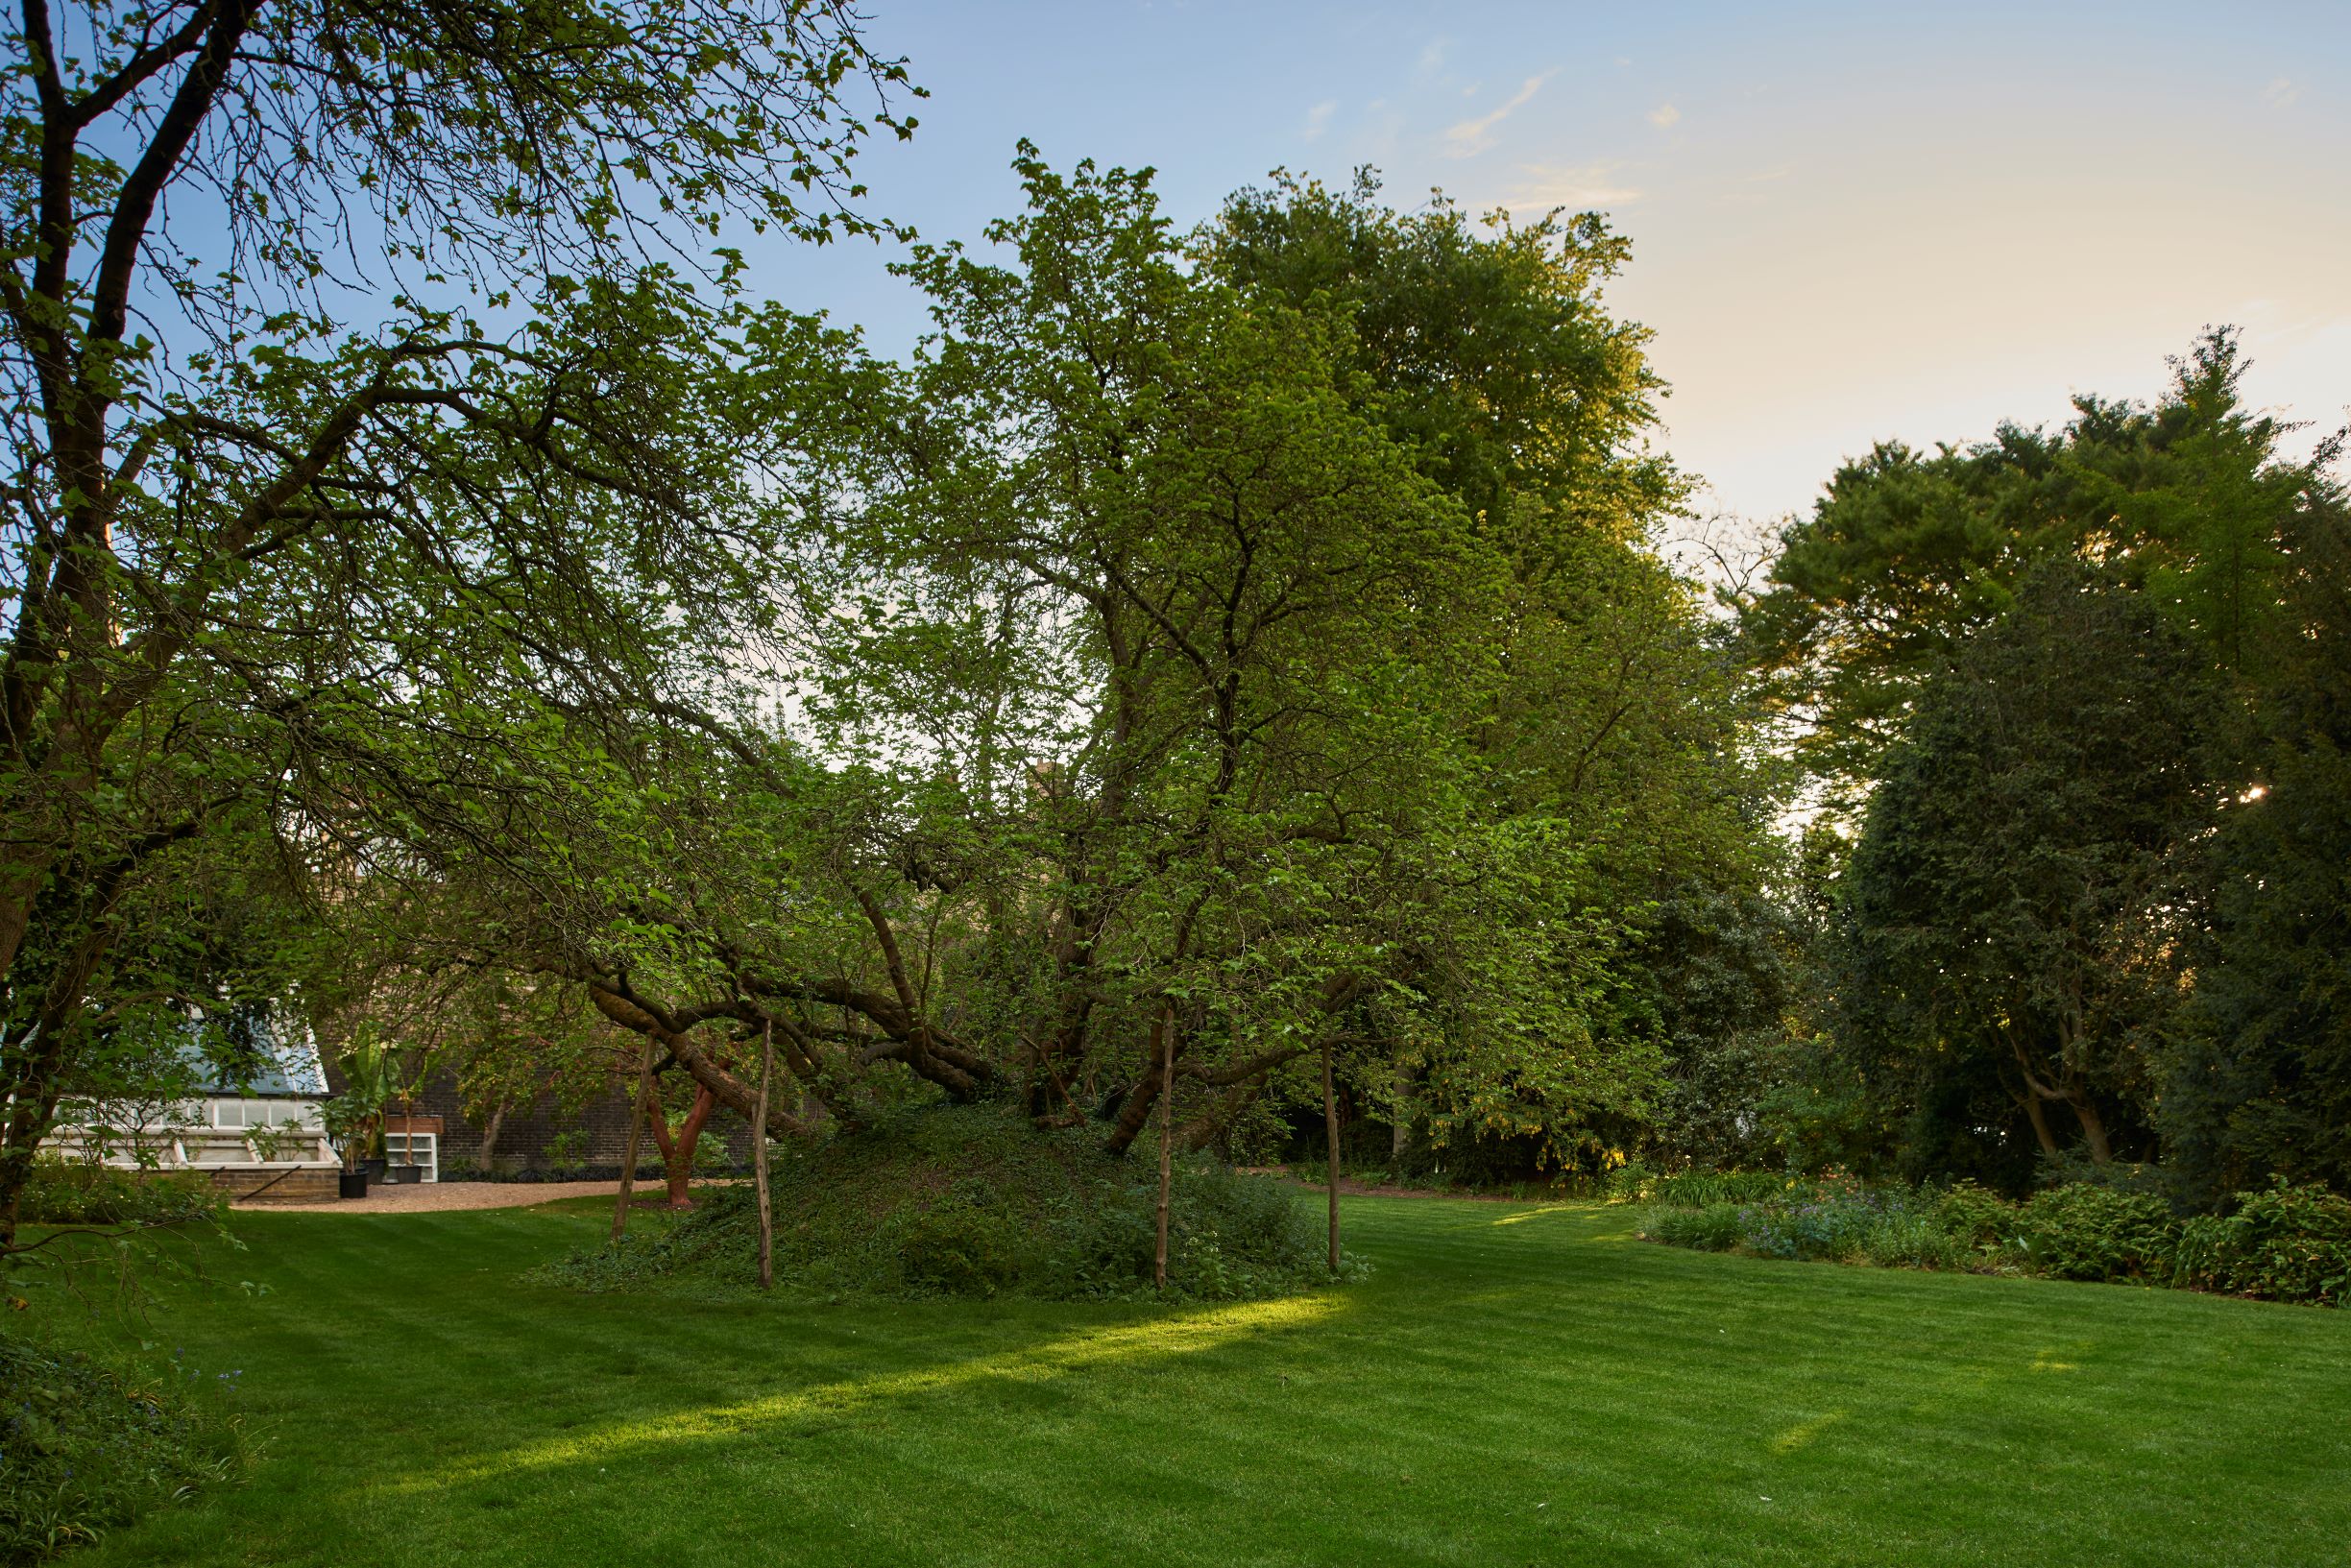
x: 1849, y: 221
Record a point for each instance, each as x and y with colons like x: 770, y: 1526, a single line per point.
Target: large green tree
x: 1909, y: 553
x: 359, y: 392
x: 1159, y: 714
x: 1618, y: 719
x: 2258, y: 1080
x: 2024, y: 881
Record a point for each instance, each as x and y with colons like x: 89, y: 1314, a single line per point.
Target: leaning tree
x: 367, y: 381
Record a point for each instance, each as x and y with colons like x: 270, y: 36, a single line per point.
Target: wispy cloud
x: 1474, y: 137
x: 2281, y: 92
x: 1663, y: 116
x: 1319, y: 117
x: 1579, y: 189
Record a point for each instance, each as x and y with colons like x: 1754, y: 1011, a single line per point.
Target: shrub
x: 1840, y: 1221
x: 2097, y: 1233
x: 567, y: 1150
x: 1832, y: 1226
x: 1717, y: 1227
x: 2288, y: 1243
x: 85, y: 1446
x: 959, y: 1248
x: 78, y: 1193
x: 1913, y: 1236
x: 1976, y: 1218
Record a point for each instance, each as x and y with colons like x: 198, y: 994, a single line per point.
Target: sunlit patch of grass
x: 1184, y: 1334
x: 1803, y: 1432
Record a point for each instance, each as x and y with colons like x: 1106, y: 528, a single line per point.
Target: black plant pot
x: 354, y: 1182
x: 374, y: 1170
x: 403, y: 1175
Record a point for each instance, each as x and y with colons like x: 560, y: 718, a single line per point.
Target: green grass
x: 1517, y: 1383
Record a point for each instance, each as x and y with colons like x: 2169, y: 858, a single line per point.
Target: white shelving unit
x: 415, y: 1148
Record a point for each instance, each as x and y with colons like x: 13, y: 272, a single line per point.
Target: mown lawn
x: 1516, y: 1384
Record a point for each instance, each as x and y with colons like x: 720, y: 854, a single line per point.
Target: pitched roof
x: 259, y: 1051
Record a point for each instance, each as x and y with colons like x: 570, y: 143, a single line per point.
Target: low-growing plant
x: 1716, y: 1227
x: 1913, y: 1236
x: 1699, y: 1187
x: 86, y: 1445
x: 1976, y: 1216
x: 567, y: 1150
x: 2288, y: 1243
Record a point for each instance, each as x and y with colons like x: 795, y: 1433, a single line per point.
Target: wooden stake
x: 758, y: 1157
x: 1166, y: 1145
x: 637, y: 1121
x: 1330, y: 1131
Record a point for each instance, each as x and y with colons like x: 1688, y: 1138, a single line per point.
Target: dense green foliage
x: 2285, y: 1244
x: 972, y: 1201
x: 446, y: 452
x: 76, y: 1193
x: 1501, y: 1356
x: 2011, y: 907
x: 1164, y: 696
x: 2258, y: 1080
x: 1617, y: 724
x: 2293, y: 1244
x: 2080, y: 693
x: 88, y: 1444
x: 1909, y: 554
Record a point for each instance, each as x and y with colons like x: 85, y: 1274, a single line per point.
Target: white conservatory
x: 254, y: 1121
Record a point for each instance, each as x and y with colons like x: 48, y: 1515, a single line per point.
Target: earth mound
x: 973, y: 1201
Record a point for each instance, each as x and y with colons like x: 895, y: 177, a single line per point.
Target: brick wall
x: 314, y: 1184
x: 525, y: 1140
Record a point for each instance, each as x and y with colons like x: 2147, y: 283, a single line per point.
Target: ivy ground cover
x: 1516, y: 1383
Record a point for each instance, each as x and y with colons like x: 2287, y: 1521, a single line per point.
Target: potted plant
x: 355, y: 1118
x: 402, y: 1086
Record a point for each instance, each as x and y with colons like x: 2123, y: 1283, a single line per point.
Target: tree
x: 2015, y: 908
x: 1618, y: 729
x: 1909, y: 554
x: 1132, y: 668
x: 423, y: 444
x: 1121, y: 660
x: 2257, y: 1081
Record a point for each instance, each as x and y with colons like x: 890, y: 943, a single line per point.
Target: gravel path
x: 429, y: 1197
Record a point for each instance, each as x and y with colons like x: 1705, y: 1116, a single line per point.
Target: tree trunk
x: 1166, y: 1145
x: 2038, y: 1113
x: 759, y: 1161
x: 1330, y: 1143
x: 491, y: 1129
x: 677, y: 1148
x: 2093, y: 1128
x: 636, y: 1137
